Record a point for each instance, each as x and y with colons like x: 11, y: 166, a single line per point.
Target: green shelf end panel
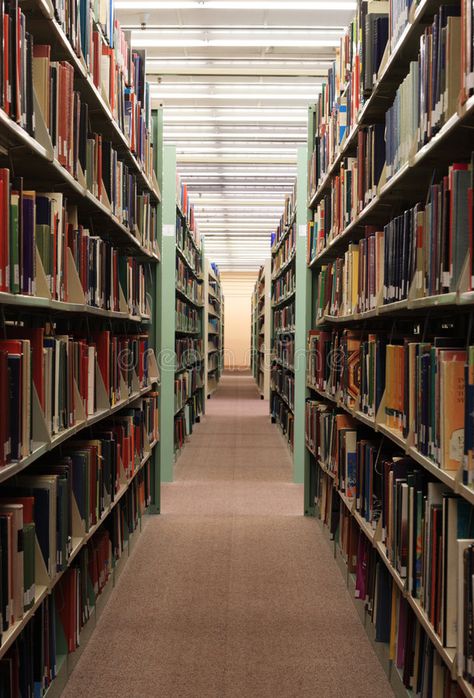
x: 309, y: 507
x: 155, y: 309
x: 302, y: 319
x: 166, y: 280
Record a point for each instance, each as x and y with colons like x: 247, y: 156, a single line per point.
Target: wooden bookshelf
x: 415, y: 316
x: 213, y: 327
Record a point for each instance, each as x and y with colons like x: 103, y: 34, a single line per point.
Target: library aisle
x: 231, y: 592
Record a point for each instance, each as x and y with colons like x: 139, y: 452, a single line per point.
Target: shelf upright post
x: 268, y: 329
x: 302, y: 319
x: 205, y: 314
x: 166, y: 312
x: 309, y: 508
x: 155, y: 338
x: 204, y: 320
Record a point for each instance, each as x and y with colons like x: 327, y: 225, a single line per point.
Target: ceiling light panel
x: 202, y: 5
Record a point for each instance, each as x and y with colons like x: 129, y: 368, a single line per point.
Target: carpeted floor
x: 231, y: 593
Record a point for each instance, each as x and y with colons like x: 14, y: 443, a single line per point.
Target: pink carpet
x: 231, y: 592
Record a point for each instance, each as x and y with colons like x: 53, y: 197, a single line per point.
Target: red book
x: 61, y: 127
x: 28, y: 504
x: 36, y: 336
x: 99, y: 165
x: 102, y: 342
x: 6, y: 64
x: 17, y: 66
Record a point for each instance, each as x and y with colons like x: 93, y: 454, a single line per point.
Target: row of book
x: 187, y: 209
x: 409, y: 648
x: 349, y: 83
x: 423, y: 528
x: 187, y: 282
x: 189, y: 351
x: 58, y: 380
x: 185, y: 420
x: 424, y: 102
x: 186, y: 383
x: 422, y: 252
x: 282, y: 414
x: 52, y: 507
x: 395, y: 624
x: 284, y: 318
x: 404, y: 383
x: 31, y: 664
x: 185, y: 242
x: 352, y: 188
x: 117, y: 73
x: 429, y: 95
x: 187, y: 317
x: 353, y: 283
x: 284, y: 350
x: 285, y: 251
x: 41, y: 236
x: 213, y: 363
x: 284, y: 285
x: 283, y: 383
x: 213, y: 325
x: 286, y: 218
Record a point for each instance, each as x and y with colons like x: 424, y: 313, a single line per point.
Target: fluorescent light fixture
x: 239, y: 96
x: 209, y: 32
x: 206, y: 85
x: 267, y: 118
x: 234, y: 43
x: 305, y: 5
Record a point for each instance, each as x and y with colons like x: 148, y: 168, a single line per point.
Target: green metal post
x: 309, y: 507
x: 302, y: 320
x: 166, y: 312
x: 157, y: 126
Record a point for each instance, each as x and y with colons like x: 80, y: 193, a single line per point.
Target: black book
x: 15, y: 387
x: 107, y: 167
x: 30, y: 109
x: 5, y: 588
x: 53, y: 125
x: 83, y: 131
x: 11, y: 7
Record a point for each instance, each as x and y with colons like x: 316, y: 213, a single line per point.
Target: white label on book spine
x: 169, y: 230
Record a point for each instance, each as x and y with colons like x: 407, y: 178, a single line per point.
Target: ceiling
x: 235, y: 78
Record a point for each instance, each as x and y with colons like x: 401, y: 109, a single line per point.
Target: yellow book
x: 452, y: 408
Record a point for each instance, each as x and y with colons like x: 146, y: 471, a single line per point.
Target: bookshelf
x: 213, y: 327
x: 283, y: 294
x: 389, y: 351
x: 254, y: 333
x: 79, y: 297
x: 261, y: 330
x: 185, y: 330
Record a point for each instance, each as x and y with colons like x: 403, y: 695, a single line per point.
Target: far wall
x: 237, y: 288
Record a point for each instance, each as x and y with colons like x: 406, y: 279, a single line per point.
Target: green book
x: 43, y: 242
x: 29, y: 549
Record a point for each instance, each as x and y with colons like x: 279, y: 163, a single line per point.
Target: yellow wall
x: 237, y: 288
